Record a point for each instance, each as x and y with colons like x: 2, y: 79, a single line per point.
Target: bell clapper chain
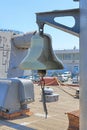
x: 42, y: 82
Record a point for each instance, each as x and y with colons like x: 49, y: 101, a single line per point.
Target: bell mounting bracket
x: 48, y: 18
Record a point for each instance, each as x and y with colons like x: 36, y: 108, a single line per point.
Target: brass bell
x: 40, y: 55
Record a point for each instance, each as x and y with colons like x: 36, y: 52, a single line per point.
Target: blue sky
x: 20, y: 15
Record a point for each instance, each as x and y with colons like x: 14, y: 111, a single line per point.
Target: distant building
x: 70, y: 59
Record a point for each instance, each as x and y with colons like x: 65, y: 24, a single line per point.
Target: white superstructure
x: 13, y: 48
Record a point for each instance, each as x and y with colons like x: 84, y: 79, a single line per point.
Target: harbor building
x: 70, y: 59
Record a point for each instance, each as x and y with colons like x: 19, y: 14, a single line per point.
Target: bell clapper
x: 42, y: 82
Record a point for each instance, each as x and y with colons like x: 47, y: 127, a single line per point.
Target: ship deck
x: 57, y: 118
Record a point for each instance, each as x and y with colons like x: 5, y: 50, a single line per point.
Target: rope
x: 60, y: 86
x: 59, y: 82
x: 42, y: 82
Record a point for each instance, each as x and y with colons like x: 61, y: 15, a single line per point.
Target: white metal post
x: 83, y: 64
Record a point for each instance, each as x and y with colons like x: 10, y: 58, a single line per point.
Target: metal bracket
x: 48, y: 18
x: 76, y: 0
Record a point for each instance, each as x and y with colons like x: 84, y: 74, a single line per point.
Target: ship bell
x: 40, y: 55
